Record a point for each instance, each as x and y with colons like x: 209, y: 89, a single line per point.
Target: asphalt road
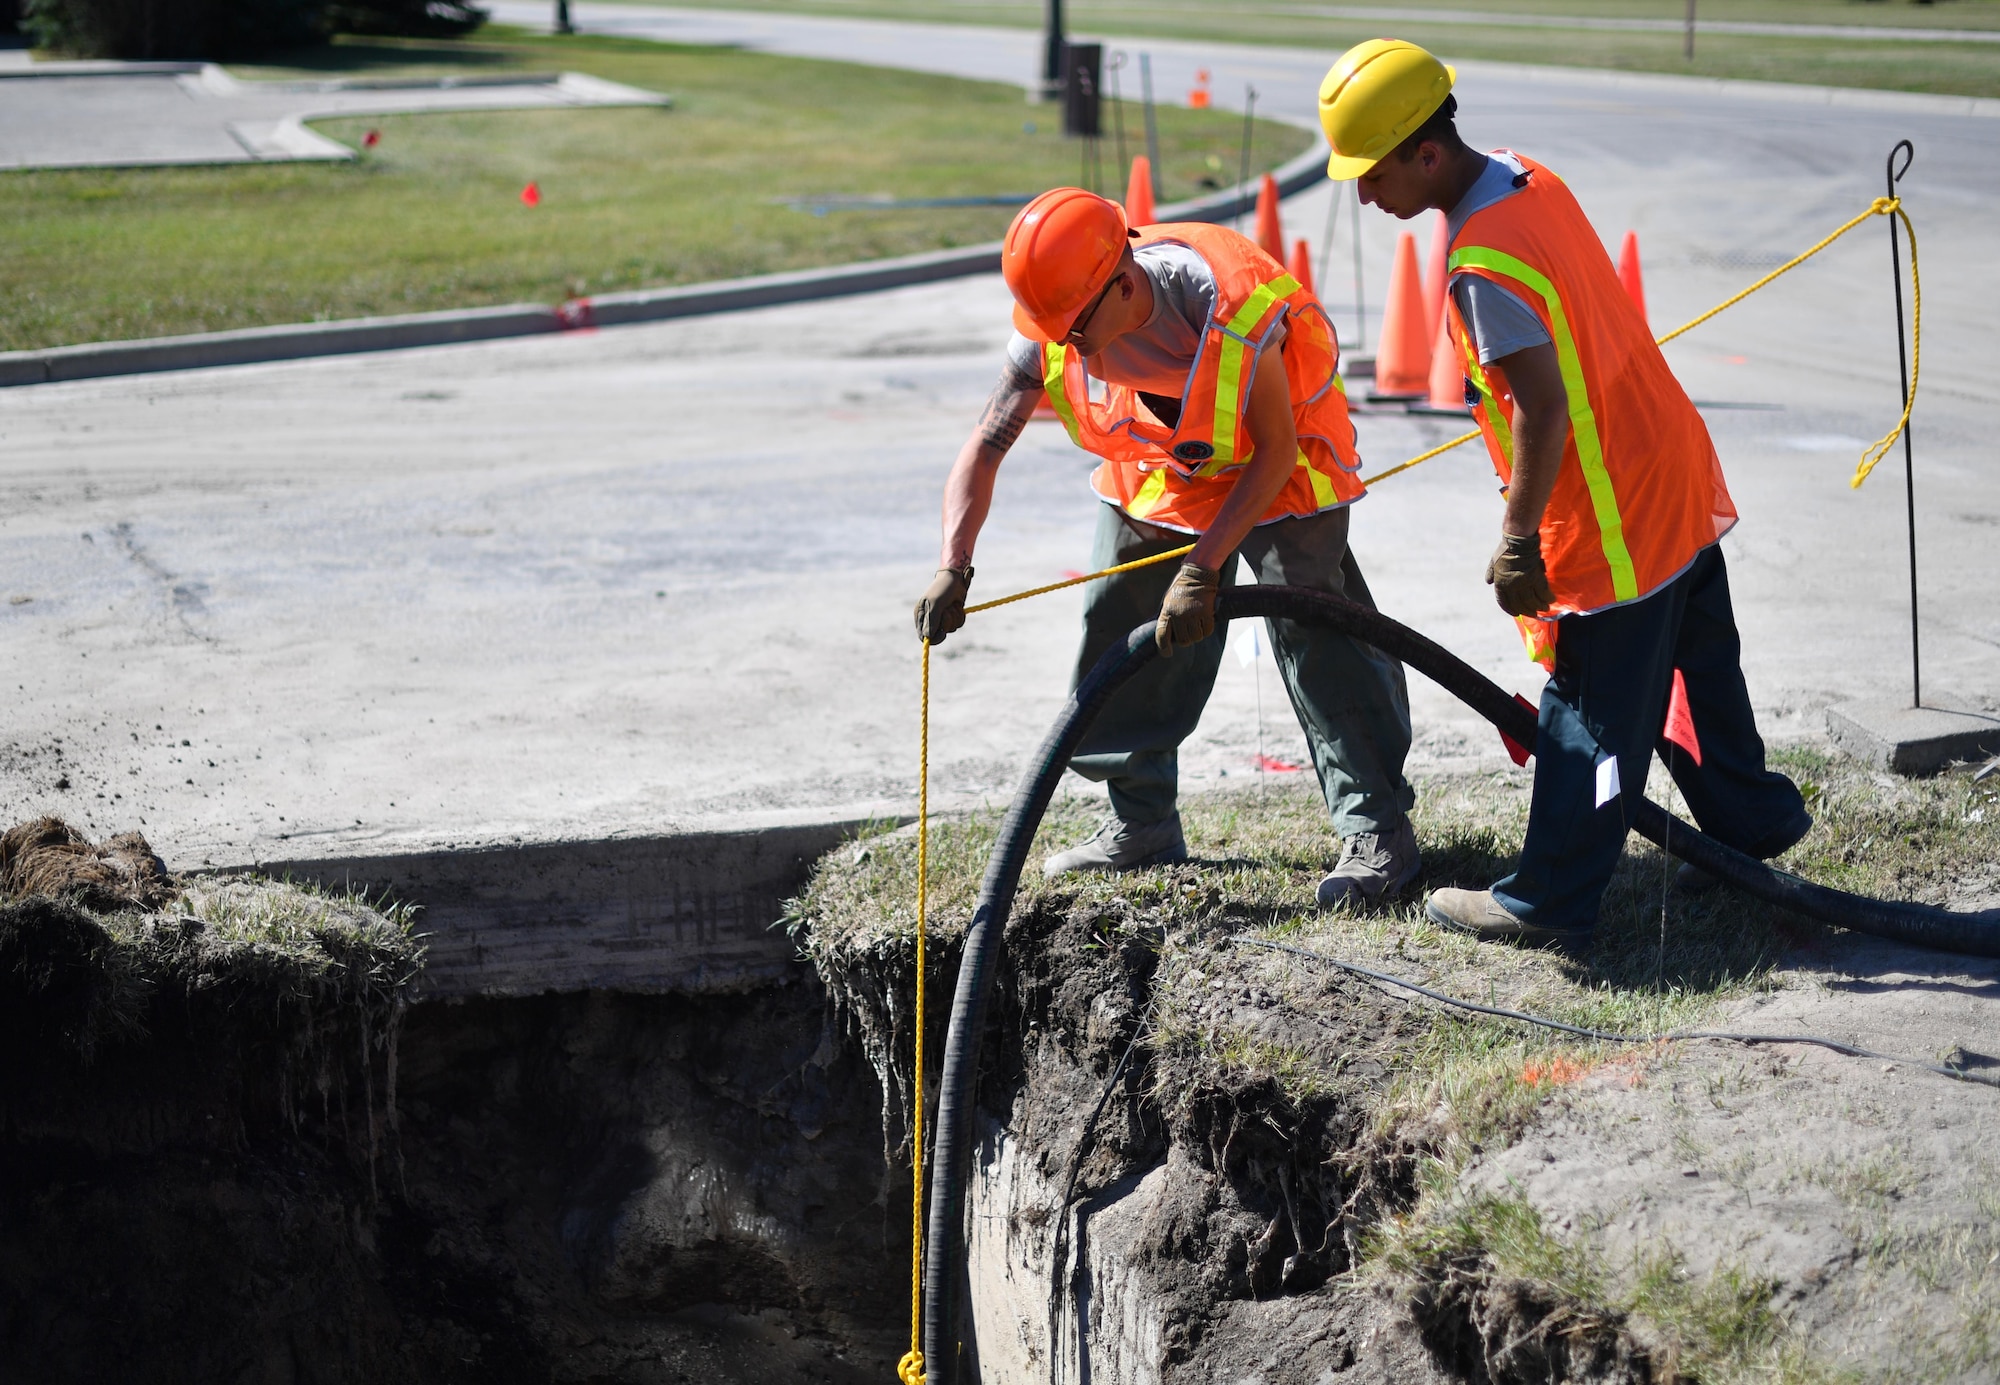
x: 658, y: 577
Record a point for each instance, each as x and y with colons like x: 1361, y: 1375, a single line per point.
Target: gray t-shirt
x: 1499, y: 321
x: 1157, y: 357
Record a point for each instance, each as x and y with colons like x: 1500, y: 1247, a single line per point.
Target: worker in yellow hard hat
x: 1609, y: 554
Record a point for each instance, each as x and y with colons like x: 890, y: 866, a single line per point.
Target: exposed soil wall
x: 239, y: 1183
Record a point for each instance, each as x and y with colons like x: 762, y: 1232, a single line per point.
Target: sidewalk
x: 122, y: 115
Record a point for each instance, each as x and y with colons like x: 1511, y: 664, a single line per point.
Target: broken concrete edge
x: 684, y: 913
x: 1912, y: 740
x: 297, y: 341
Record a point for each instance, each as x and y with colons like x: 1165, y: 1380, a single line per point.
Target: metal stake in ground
x: 1895, y: 174
x: 1111, y: 65
x: 1053, y: 43
x: 1360, y: 303
x: 1152, y: 129
x: 1249, y: 113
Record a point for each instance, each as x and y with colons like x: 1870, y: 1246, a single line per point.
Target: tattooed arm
x: 968, y: 492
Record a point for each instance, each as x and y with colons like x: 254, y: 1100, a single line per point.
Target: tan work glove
x: 942, y: 609
x: 1187, y: 616
x: 1520, y: 583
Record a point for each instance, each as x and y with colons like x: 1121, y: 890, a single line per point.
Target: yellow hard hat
x: 1374, y: 97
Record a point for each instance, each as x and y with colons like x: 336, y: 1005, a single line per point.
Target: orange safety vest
x: 1640, y: 492
x: 1177, y: 478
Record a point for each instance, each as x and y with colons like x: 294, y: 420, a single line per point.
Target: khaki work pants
x: 1351, y: 699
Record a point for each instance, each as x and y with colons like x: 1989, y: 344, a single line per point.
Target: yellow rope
x: 1078, y: 581
x: 1881, y: 206
x: 1881, y: 448
x: 910, y: 1370
x: 1420, y: 458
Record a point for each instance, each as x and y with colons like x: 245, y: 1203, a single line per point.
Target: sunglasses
x: 1082, y: 323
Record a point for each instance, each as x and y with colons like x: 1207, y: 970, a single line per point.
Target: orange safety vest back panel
x: 1640, y: 492
x: 1178, y: 477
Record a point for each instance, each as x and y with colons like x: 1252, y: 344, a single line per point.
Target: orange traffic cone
x: 1447, y: 373
x: 1301, y: 266
x: 1198, y: 99
x: 1403, y: 356
x: 1139, y: 193
x: 1434, y: 272
x: 1270, y: 235
x: 1628, y: 272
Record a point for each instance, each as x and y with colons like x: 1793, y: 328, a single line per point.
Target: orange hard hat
x: 1063, y: 247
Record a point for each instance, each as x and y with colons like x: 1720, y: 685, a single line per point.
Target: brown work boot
x: 1374, y: 867
x: 1119, y: 845
x: 1477, y: 912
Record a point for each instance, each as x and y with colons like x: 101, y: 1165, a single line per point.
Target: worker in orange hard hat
x: 1609, y: 555
x: 1223, y: 417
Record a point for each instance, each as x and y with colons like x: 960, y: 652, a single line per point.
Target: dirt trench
x: 602, y: 1188
x: 219, y: 1172
x: 1141, y: 1213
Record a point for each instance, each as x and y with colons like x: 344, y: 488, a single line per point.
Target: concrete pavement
x: 657, y: 578
x: 122, y: 115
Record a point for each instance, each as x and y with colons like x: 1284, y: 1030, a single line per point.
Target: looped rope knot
x: 1893, y: 206
x: 910, y: 1370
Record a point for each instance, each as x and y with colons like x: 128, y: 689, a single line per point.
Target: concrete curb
x: 1893, y: 735
x: 102, y: 69
x: 298, y: 341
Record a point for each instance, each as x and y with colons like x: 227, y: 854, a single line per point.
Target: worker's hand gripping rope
x: 941, y: 609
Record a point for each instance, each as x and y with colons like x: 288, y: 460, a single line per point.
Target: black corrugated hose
x: 1918, y: 924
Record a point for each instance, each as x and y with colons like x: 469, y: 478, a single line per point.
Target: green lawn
x: 432, y: 217
x: 1965, y: 69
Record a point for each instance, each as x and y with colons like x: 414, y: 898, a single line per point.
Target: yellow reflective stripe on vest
x: 1324, y: 495
x: 1054, y: 355
x: 1229, y: 369
x: 1151, y: 492
x: 1583, y: 420
x: 1503, y: 431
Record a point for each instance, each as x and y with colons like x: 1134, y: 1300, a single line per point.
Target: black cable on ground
x: 1609, y: 1036
x: 1918, y: 924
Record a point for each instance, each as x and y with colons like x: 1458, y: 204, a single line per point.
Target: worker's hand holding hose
x: 1187, y: 616
x: 942, y: 608
x: 1519, y: 580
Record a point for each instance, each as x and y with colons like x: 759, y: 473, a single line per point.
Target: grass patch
x: 1490, y: 1264
x: 1964, y: 69
x: 1445, y: 1086
x: 638, y: 198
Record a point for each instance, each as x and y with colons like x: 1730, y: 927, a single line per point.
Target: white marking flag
x: 1607, y: 780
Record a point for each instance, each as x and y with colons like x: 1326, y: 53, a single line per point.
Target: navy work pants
x: 1608, y: 697
x: 1350, y: 697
